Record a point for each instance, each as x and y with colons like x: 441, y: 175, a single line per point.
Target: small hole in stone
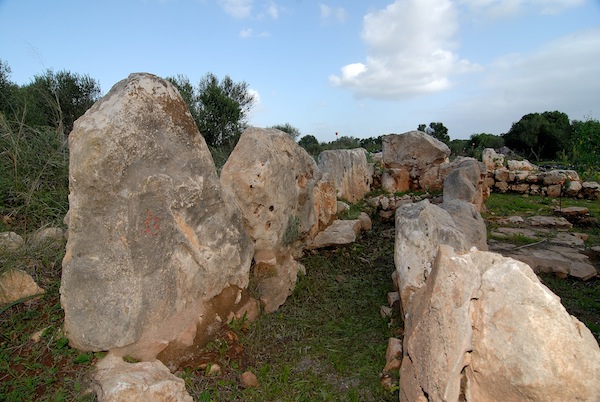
x: 271, y: 208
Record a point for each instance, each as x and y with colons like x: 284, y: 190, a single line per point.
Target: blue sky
x: 361, y: 68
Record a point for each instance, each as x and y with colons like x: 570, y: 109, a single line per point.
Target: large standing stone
x: 484, y: 328
x: 467, y: 182
x: 152, y: 236
x: 350, y: 171
x: 285, y: 201
x: 420, y: 229
x: 407, y: 157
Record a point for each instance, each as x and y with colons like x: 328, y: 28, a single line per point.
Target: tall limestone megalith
x: 153, y: 238
x: 285, y: 199
x: 350, y: 171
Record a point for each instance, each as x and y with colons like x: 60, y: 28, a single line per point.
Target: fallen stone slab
x: 507, y: 232
x: 339, y: 233
x: 549, y: 222
x: 561, y: 261
x: 572, y: 211
x: 116, y: 380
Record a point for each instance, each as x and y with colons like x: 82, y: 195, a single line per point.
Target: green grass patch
x: 327, y: 342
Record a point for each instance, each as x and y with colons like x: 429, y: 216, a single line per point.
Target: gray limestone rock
x: 152, y: 235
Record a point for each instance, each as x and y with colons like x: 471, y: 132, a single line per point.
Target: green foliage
x: 539, y: 136
x: 371, y: 144
x: 585, y: 145
x: 343, y: 142
x: 223, y: 108
x: 436, y: 130
x: 220, y: 109
x: 460, y: 148
x: 289, y: 129
x: 292, y: 231
x: 34, y: 175
x: 311, y: 145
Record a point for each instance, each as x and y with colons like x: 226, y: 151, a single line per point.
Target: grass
x: 46, y: 369
x: 518, y: 205
x: 326, y: 343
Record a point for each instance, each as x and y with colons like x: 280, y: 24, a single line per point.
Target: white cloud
x: 410, y: 52
x: 237, y: 8
x: 503, y: 8
x: 243, y: 9
x: 562, y: 75
x: 249, y: 33
x: 272, y: 10
x: 339, y: 14
x: 246, y: 33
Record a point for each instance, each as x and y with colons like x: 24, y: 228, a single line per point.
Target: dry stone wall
x: 525, y: 178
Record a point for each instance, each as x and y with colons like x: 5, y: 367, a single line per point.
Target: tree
x: 539, y: 136
x: 289, y: 129
x: 311, y: 145
x: 585, y: 145
x: 58, y: 99
x: 371, y: 144
x: 223, y: 108
x: 344, y: 142
x: 188, y: 93
x: 436, y: 130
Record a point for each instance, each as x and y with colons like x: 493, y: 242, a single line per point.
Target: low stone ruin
x: 480, y: 326
x: 161, y: 253
x: 524, y: 177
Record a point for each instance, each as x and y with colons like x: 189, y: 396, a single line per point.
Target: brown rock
x: 249, y: 380
x: 16, y: 284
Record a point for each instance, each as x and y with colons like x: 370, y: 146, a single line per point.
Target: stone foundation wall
x: 523, y: 177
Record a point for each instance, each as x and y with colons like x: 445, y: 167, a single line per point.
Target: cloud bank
x: 411, y: 51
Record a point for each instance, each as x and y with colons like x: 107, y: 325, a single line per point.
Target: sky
x: 360, y: 68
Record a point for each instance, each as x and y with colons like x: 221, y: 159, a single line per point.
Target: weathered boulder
x: 521, y: 165
x: 484, y: 328
x: 468, y: 220
x: 153, y: 238
x: 491, y: 159
x: 561, y: 261
x: 350, y: 171
x: 340, y: 232
x: 16, y: 284
x: 407, y: 157
x: 52, y: 237
x: 285, y: 201
x: 118, y: 381
x: 10, y: 241
x: 467, y: 183
x: 558, y: 177
x: 590, y: 190
x: 420, y: 229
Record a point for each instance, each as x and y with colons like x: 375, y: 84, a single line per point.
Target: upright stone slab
x: 152, y: 236
x: 350, y: 171
x: 285, y: 199
x: 409, y: 156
